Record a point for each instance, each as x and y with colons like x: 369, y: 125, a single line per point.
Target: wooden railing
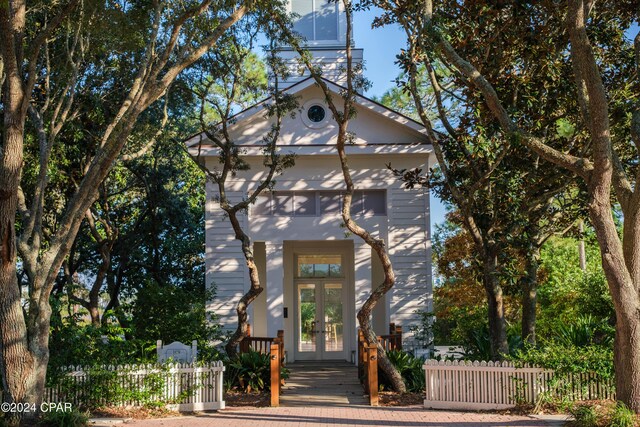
x: 274, y: 347
x: 368, y: 359
x: 393, y: 341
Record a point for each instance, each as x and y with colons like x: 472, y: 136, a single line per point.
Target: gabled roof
x: 411, y: 125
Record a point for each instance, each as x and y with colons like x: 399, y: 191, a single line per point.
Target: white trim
x: 193, y: 141
x: 344, y: 248
x: 416, y: 149
x: 304, y: 114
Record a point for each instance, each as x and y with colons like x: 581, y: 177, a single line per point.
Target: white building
x: 315, y: 275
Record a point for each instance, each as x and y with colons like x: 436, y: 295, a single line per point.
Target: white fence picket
x: 482, y: 385
x: 188, y: 387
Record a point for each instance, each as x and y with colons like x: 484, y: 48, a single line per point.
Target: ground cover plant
x: 410, y: 367
x: 603, y: 414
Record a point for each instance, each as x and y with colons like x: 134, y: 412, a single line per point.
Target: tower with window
x: 323, y: 26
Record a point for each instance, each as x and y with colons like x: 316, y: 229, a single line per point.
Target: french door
x: 320, y: 319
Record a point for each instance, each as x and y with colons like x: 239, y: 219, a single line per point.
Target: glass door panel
x: 320, y: 320
x: 333, y: 317
x: 307, y: 323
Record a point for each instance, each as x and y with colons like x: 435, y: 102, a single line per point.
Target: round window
x: 316, y: 113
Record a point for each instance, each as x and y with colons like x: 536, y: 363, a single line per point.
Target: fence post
x: 219, y: 377
x: 361, y: 355
x: 398, y: 333
x: 372, y: 373
x: 275, y: 374
x: 281, y: 338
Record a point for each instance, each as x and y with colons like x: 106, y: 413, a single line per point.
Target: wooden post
x: 361, y: 355
x: 398, y: 332
x: 275, y: 374
x: 281, y: 339
x: 372, y: 373
x: 392, y: 328
x: 282, y: 359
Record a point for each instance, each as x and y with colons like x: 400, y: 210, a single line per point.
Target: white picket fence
x: 489, y: 385
x: 182, y: 387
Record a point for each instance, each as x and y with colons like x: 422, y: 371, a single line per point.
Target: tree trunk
x: 364, y: 320
x: 530, y: 295
x: 627, y: 361
x: 497, y: 323
x: 21, y: 368
x: 23, y: 347
x: 618, y: 270
x: 254, y: 289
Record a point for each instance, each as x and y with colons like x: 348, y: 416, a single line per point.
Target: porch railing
x: 274, y: 347
x: 368, y: 359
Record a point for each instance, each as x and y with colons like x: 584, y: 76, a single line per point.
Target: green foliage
x: 249, y: 371
x: 477, y: 346
x: 602, y: 415
x: 565, y: 128
x: 111, y: 386
x: 73, y: 343
x: 172, y: 313
x: 566, y: 292
x: 585, y: 331
x: 622, y: 416
x: 585, y: 416
x: 423, y: 331
x: 410, y: 367
x: 570, y: 359
x: 73, y: 418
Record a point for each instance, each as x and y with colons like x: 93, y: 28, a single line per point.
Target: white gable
x: 376, y: 128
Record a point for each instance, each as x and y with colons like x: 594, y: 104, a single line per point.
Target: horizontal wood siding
x: 225, y: 263
x: 410, y: 248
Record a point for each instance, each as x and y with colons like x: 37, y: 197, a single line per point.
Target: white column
x: 362, y: 260
x: 275, y: 287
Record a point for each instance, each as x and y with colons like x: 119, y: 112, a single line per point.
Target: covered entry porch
x: 313, y: 290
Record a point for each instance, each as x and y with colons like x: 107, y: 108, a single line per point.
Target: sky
x: 380, y: 47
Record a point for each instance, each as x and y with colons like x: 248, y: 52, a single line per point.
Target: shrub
x: 622, y: 416
x: 249, y: 371
x: 73, y: 418
x: 100, y: 386
x: 585, y: 415
x: 585, y: 331
x: 569, y: 359
x: 410, y: 368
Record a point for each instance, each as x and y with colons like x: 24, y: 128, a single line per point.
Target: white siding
x: 226, y: 266
x: 410, y: 247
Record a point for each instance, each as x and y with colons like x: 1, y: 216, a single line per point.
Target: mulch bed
x: 391, y: 398
x: 234, y: 399
x: 237, y: 399
x: 138, y: 413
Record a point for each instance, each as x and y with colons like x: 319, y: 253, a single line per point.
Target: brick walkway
x: 343, y: 416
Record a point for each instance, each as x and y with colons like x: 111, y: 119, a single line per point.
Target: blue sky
x: 381, y: 45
